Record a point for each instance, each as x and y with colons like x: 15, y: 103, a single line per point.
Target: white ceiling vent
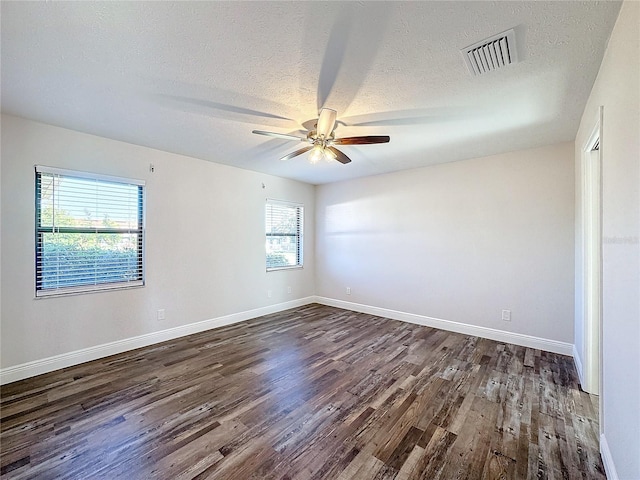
x: 492, y: 53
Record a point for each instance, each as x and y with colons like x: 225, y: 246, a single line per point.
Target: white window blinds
x: 284, y: 227
x: 89, y: 232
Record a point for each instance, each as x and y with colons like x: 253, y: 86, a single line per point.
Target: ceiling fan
x: 322, y: 139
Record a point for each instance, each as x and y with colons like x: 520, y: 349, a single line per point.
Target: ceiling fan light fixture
x: 317, y: 154
x: 329, y: 156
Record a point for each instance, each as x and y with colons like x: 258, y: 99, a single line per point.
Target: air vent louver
x: 492, y: 53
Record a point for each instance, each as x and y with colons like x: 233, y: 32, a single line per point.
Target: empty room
x: 320, y: 240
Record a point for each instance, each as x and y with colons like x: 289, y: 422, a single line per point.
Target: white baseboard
x: 607, y: 459
x: 473, y: 330
x: 45, y: 365
x: 578, y: 364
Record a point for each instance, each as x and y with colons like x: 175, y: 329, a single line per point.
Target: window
x: 89, y: 232
x: 284, y: 227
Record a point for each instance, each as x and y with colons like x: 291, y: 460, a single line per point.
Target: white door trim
x: 592, y: 261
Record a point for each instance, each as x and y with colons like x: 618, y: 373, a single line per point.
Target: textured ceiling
x: 196, y: 78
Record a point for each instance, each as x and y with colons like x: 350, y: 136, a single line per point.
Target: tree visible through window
x: 89, y: 232
x: 284, y: 227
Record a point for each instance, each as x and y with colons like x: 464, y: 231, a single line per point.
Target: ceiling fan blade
x: 362, y: 140
x: 326, y: 122
x: 341, y: 157
x: 297, y: 152
x: 279, y: 135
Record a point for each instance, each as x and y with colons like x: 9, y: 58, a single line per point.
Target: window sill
x: 66, y: 292
x: 277, y: 269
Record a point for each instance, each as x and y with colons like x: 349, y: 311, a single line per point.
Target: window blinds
x: 89, y: 232
x: 284, y: 227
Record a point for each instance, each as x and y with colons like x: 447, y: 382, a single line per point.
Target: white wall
x: 617, y: 88
x: 204, y: 244
x: 458, y: 241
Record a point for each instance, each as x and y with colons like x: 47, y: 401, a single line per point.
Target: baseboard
x: 578, y: 364
x: 607, y: 459
x: 476, y: 331
x: 45, y: 365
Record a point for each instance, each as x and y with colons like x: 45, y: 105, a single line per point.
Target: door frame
x: 592, y: 155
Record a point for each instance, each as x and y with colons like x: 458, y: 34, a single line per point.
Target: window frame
x: 298, y: 234
x: 40, y: 230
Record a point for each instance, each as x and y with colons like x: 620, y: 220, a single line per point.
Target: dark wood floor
x: 315, y: 392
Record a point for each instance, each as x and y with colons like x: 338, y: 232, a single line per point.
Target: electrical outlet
x: 268, y: 293
x: 161, y: 314
x: 506, y: 315
x: 288, y: 289
x: 348, y: 290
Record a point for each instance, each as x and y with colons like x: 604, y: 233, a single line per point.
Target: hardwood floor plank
x: 311, y: 393
x: 437, y: 453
